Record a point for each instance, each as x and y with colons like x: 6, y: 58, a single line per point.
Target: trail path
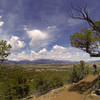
x: 78, y: 91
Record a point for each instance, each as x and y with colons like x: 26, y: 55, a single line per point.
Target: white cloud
x: 57, y: 53
x: 37, y: 34
x: 1, y: 23
x: 0, y: 17
x: 38, y: 38
x: 57, y: 47
x: 44, y: 50
x: 19, y: 56
x: 34, y: 53
x: 16, y: 43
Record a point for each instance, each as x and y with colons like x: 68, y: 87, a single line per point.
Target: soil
x: 77, y: 91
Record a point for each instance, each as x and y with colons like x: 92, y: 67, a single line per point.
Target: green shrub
x: 13, y: 84
x: 17, y: 82
x: 43, y: 82
x: 79, y: 72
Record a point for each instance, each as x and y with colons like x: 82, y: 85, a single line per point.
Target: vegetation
x: 17, y: 83
x: 88, y: 40
x: 85, y: 40
x: 79, y: 72
x: 4, y: 50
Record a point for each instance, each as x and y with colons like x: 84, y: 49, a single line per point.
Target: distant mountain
x: 43, y: 61
x: 48, y: 61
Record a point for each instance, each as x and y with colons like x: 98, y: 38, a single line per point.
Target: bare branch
x: 82, y: 14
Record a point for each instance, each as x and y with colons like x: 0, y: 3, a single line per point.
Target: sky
x: 41, y: 29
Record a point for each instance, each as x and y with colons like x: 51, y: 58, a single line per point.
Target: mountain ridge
x: 43, y: 61
x: 47, y: 61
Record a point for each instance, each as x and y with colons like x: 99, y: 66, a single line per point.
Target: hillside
x: 78, y: 91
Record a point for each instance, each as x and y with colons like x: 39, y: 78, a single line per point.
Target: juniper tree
x: 4, y: 50
x: 87, y: 40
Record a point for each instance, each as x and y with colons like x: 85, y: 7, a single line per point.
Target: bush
x: 13, y: 84
x: 79, y: 72
x: 43, y: 82
x: 17, y: 83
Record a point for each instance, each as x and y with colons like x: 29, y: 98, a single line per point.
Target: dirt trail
x: 77, y: 91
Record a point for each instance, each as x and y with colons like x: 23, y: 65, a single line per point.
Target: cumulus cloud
x: 0, y: 17
x: 1, y: 23
x: 38, y: 38
x: 18, y: 56
x: 58, y: 48
x: 57, y: 53
x: 16, y: 43
x: 44, y: 50
x: 23, y: 56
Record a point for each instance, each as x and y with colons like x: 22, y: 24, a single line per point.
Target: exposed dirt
x: 77, y: 91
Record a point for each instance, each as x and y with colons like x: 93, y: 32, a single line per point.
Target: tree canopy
x: 87, y: 39
x: 4, y: 50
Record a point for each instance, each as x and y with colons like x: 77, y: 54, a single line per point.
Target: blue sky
x: 36, y: 29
